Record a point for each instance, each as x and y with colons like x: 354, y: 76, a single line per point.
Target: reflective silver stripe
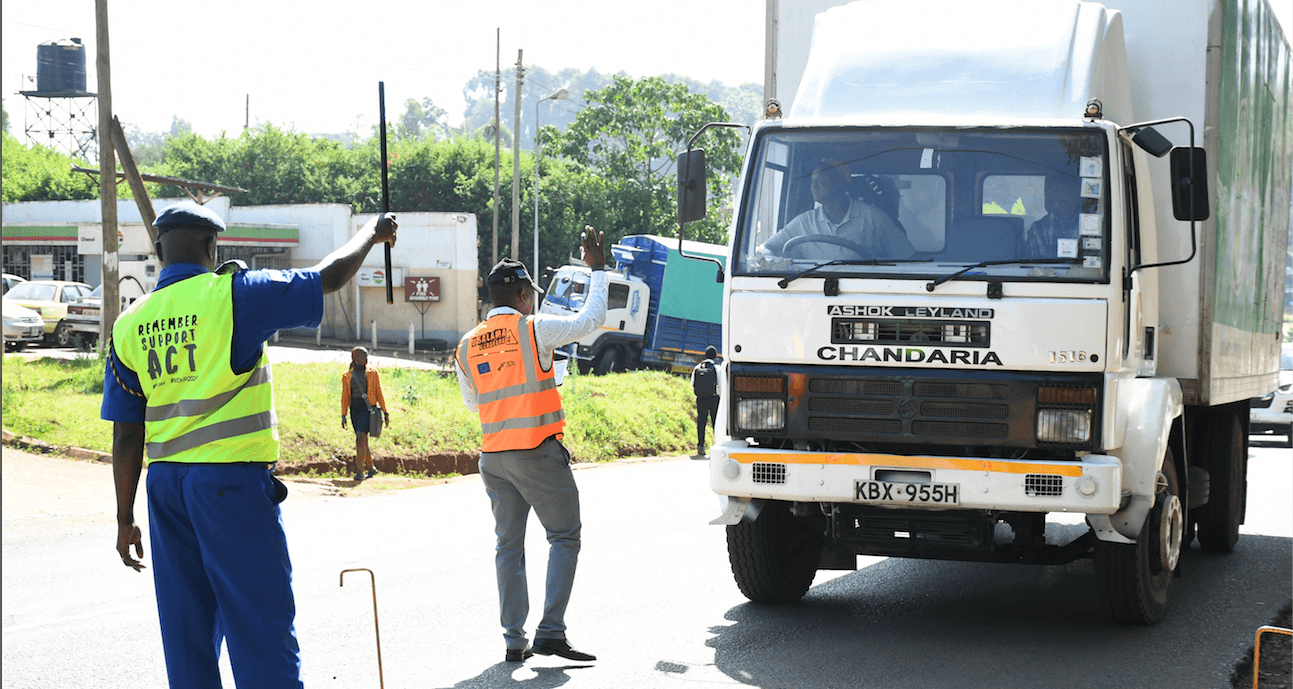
x: 518, y: 423
x: 216, y: 431
x: 462, y: 363
x: 525, y: 388
x: 526, y: 336
x: 184, y: 408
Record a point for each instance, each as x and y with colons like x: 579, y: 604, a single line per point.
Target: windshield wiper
x: 929, y: 287
x: 785, y: 281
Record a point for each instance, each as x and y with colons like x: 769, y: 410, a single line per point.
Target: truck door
x: 626, y: 307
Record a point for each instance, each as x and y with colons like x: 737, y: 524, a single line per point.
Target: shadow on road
x: 505, y: 675
x: 925, y: 623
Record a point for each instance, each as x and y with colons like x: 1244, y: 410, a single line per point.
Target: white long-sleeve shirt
x: 551, y: 331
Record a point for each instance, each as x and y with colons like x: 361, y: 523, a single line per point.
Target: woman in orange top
x: 361, y: 388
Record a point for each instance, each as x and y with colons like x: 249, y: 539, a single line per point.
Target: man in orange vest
x: 506, y: 374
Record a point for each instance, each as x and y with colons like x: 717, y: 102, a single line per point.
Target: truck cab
x: 964, y: 294
x: 617, y: 344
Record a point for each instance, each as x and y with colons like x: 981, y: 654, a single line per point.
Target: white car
x: 22, y: 326
x: 1273, y: 412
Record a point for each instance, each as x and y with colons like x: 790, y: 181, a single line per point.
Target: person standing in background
x: 361, y: 391
x: 704, y: 382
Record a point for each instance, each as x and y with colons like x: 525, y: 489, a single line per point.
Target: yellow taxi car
x: 49, y: 298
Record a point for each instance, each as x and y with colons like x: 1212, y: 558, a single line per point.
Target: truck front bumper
x: 1091, y: 484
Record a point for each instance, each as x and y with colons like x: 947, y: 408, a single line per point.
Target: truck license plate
x: 919, y: 493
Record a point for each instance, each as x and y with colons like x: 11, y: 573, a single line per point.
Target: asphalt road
x: 654, y: 600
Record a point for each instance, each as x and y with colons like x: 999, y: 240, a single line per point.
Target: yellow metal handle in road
x: 1257, y: 646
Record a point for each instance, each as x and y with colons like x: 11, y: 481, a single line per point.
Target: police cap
x: 188, y: 214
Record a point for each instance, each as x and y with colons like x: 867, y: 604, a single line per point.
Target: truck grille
x: 768, y: 472
x: 936, y: 407
x: 1043, y: 484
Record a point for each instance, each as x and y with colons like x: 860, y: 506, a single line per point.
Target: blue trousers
x: 221, y: 570
x: 515, y: 482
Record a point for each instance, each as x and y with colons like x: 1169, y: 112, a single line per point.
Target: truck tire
x: 1135, y: 578
x: 607, y: 362
x: 1226, y: 461
x: 774, y: 558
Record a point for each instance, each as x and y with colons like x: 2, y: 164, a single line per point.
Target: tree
x: 6, y: 120
x: 422, y: 119
x: 38, y: 173
x: 631, y: 135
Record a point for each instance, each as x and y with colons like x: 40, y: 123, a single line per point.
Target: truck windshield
x: 925, y: 203
x: 567, y: 289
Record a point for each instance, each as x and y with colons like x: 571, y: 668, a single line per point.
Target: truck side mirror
x: 691, y: 185
x: 1189, y: 175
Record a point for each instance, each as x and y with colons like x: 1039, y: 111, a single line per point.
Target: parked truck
x: 662, y: 309
x: 1095, y: 200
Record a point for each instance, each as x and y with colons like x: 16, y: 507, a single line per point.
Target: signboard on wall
x: 422, y: 289
x: 42, y: 266
x: 376, y: 277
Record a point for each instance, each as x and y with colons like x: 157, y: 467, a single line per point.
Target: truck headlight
x: 761, y: 414
x: 1067, y: 426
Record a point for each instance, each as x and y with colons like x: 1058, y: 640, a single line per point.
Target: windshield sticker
x: 906, y: 311
x: 909, y: 355
x: 1065, y: 248
x: 1091, y: 262
x: 1091, y: 243
x: 1090, y: 188
x: 1090, y: 166
x: 1090, y: 223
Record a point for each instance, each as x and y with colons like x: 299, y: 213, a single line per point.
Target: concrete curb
x: 34, y: 445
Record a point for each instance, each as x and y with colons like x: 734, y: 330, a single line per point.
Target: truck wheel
x: 62, y: 335
x: 1135, y: 578
x: 1226, y: 460
x: 774, y: 558
x: 607, y: 361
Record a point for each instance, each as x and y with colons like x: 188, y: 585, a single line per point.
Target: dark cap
x: 188, y: 214
x: 508, y: 271
x: 710, y: 352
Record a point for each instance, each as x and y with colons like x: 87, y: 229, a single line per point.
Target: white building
x: 435, y: 257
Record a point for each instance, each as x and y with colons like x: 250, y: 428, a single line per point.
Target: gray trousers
x: 515, y: 482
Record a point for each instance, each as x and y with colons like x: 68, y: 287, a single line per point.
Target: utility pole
x: 111, y: 306
x: 516, y: 163
x: 498, y: 89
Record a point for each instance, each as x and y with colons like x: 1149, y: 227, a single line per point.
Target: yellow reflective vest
x: 179, y: 340
x: 517, y: 400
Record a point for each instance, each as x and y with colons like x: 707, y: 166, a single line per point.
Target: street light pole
x: 559, y: 95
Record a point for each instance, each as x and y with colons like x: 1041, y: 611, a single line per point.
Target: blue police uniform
x: 220, y: 560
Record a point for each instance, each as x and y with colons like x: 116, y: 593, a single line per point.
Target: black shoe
x: 560, y: 647
x: 372, y: 473
x: 518, y: 655
x: 359, y: 476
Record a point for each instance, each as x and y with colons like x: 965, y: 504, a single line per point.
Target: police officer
x: 188, y: 379
x: 506, y: 374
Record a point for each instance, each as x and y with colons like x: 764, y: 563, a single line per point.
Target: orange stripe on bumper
x: 919, y: 462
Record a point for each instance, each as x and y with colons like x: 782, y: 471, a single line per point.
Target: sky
x: 316, y: 70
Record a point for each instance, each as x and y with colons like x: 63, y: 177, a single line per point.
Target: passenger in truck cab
x: 1061, y: 220
x: 839, y: 225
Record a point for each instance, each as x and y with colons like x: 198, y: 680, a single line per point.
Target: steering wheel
x: 824, y: 239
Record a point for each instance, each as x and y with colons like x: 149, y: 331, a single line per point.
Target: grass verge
x: 642, y: 413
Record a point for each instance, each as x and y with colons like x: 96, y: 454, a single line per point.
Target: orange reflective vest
x: 517, y: 400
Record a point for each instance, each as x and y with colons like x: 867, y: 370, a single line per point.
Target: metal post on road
x: 535, y: 269
x: 410, y: 337
x: 372, y: 326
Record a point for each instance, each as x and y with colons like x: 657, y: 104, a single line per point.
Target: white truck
x: 662, y: 310
x: 1096, y: 204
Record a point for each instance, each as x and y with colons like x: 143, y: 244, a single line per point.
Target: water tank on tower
x: 60, y: 68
